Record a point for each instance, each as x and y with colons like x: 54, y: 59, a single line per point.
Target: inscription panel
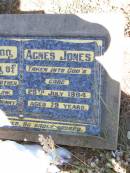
x: 51, y: 84
x: 9, y: 74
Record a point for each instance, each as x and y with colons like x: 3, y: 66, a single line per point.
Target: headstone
x: 52, y: 83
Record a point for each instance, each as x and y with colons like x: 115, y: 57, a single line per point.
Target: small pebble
x: 102, y: 170
x: 101, y: 155
x: 108, y: 156
x: 126, y: 163
x: 128, y: 160
x: 118, y: 158
x: 119, y: 153
x: 89, y: 171
x: 113, y: 161
x: 109, y: 165
x: 97, y: 161
x: 113, y: 154
x: 93, y: 164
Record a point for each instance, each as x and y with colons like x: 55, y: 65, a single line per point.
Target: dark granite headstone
x: 51, y: 82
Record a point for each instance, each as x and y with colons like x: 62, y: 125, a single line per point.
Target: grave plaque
x: 52, y: 83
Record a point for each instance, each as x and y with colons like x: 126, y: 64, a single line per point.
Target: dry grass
x: 11, y: 6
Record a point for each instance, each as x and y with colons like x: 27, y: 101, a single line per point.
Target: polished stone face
x: 54, y: 83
